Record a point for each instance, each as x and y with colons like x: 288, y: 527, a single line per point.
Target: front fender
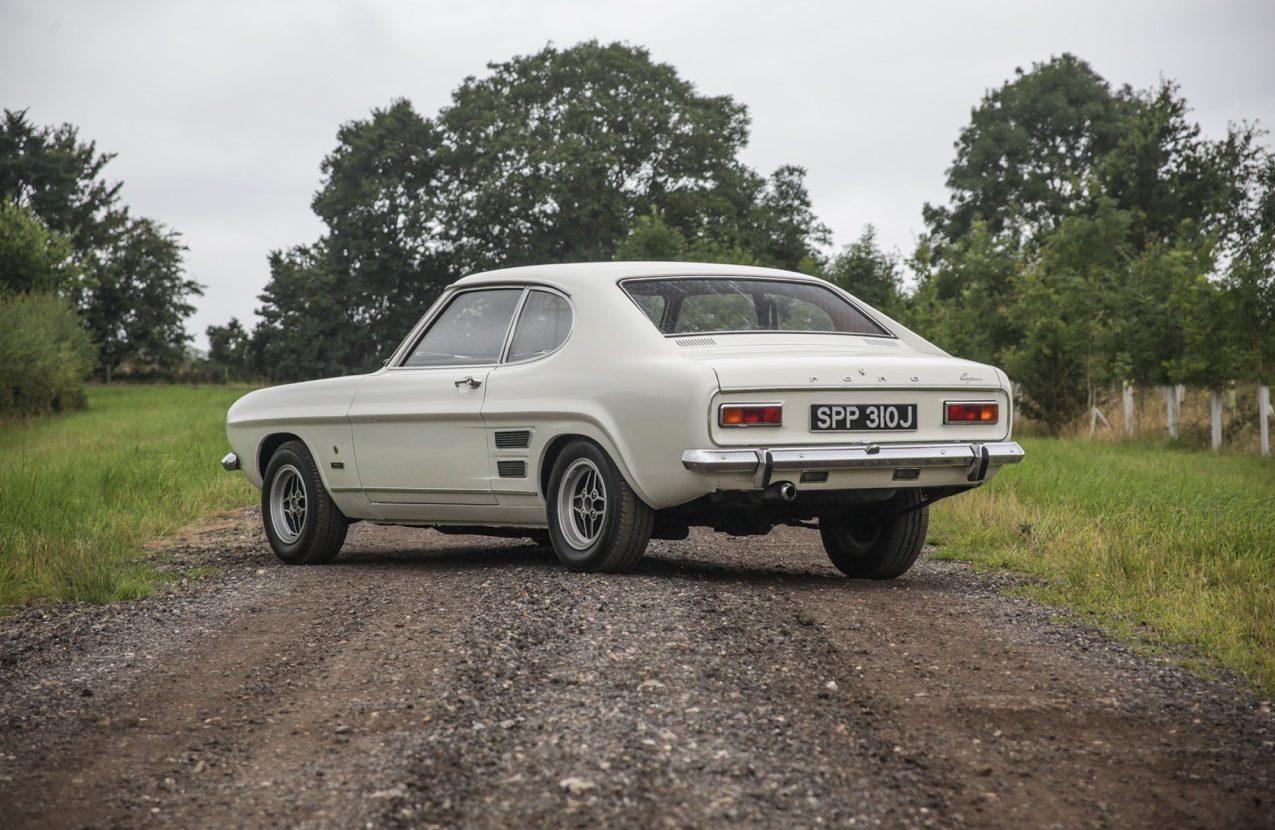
x: 315, y: 412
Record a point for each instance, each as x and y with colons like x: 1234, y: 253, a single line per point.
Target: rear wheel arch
x: 560, y: 442
x: 550, y: 455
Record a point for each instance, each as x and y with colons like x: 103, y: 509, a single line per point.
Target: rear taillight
x: 970, y: 412
x: 751, y: 415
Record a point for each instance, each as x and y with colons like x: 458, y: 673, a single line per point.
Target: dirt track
x: 454, y: 681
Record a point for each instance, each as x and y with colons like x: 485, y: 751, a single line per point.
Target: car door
x: 417, y: 426
x: 521, y: 401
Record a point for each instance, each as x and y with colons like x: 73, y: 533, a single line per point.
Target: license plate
x: 861, y: 417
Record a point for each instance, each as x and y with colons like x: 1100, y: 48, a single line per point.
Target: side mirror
x: 385, y: 362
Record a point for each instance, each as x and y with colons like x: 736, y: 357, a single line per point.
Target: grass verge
x: 81, y: 493
x: 1158, y: 544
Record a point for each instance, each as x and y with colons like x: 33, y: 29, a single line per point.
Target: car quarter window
x: 652, y: 305
x: 684, y: 305
x: 470, y: 331
x: 542, y: 327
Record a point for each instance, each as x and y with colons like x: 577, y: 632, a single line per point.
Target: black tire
x: 876, y: 541
x: 625, y: 524
x: 323, y: 525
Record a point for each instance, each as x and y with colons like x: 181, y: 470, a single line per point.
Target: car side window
x: 542, y: 327
x: 470, y: 331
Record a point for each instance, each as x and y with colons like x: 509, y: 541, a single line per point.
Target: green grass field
x: 81, y: 493
x: 1158, y: 544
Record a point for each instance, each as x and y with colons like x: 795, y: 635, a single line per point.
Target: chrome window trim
x: 571, y: 327
x: 946, y: 422
x: 513, y: 324
x: 813, y: 281
x: 722, y: 406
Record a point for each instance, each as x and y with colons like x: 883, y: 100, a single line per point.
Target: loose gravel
x: 430, y: 680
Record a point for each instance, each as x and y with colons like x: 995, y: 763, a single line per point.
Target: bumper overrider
x: 976, y: 457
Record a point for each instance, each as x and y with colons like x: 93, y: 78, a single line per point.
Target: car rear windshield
x: 686, y: 305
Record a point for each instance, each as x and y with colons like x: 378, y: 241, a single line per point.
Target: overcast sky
x: 220, y: 112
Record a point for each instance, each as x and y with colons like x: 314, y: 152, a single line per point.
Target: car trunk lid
x: 866, y: 372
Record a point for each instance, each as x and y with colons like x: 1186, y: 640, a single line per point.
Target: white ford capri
x: 595, y: 406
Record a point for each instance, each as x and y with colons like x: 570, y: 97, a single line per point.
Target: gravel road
x: 432, y: 680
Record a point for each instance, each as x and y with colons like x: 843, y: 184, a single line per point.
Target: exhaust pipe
x: 779, y: 491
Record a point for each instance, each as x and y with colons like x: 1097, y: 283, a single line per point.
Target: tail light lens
x: 971, y: 412
x: 751, y: 415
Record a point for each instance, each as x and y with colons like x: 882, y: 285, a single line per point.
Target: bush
x: 45, y: 355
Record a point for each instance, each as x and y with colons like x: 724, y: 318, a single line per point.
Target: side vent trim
x: 687, y: 342
x: 516, y: 439
x: 512, y: 469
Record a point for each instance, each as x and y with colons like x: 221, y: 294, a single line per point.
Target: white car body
x: 425, y: 445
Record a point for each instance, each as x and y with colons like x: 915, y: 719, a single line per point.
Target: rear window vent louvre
x: 513, y: 439
x: 512, y: 469
x: 687, y: 342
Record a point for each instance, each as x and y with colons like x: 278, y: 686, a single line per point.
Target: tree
x: 380, y: 203
x: 585, y: 153
x: 33, y: 258
x: 784, y: 230
x: 125, y: 274
x: 869, y: 273
x: 1249, y: 280
x: 652, y: 240
x: 1156, y: 298
x: 1210, y: 353
x: 1023, y: 162
x: 1164, y: 173
x: 343, y: 303
x: 962, y: 299
x: 230, y: 349
x: 138, y: 303
x: 45, y: 353
x: 557, y: 153
x: 1065, y: 302
x: 1099, y: 229
x: 58, y: 177
x: 306, y: 330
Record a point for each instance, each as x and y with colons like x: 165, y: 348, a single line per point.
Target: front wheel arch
x: 270, y: 445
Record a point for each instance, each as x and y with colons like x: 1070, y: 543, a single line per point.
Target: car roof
x: 582, y: 274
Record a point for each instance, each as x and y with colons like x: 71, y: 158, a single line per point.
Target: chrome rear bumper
x: 976, y: 456
x: 230, y: 462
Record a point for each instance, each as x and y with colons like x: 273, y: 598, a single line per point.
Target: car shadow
x: 662, y: 565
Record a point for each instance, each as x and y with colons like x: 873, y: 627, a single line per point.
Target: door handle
x: 471, y: 382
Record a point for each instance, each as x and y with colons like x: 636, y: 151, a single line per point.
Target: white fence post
x: 1264, y: 417
x: 1128, y: 409
x: 1171, y: 410
x: 1215, y: 418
